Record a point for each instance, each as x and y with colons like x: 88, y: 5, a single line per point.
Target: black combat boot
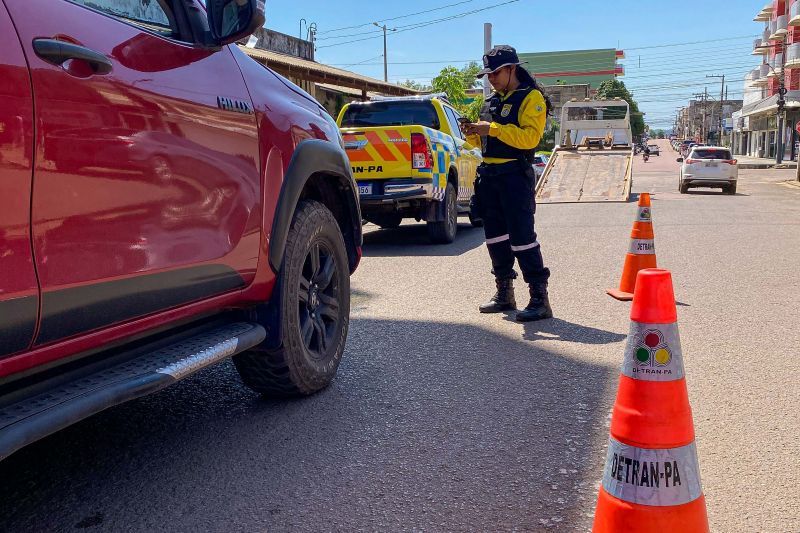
x: 539, y: 306
x: 503, y: 299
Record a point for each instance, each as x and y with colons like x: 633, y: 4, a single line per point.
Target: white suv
x: 709, y: 166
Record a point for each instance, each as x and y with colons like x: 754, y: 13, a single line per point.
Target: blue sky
x: 662, y: 77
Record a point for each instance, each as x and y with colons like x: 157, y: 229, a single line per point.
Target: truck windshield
x: 390, y: 114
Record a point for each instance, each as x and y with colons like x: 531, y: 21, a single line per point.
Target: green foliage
x: 469, y: 72
x: 411, y: 84
x: 454, y: 82
x: 548, y: 141
x: 451, y: 82
x: 610, y: 89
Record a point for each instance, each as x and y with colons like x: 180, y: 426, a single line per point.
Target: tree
x: 548, y: 141
x: 469, y: 73
x: 412, y: 84
x: 454, y: 82
x: 610, y: 89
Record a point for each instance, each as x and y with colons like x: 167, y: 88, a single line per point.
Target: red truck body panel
x: 19, y: 293
x: 143, y: 199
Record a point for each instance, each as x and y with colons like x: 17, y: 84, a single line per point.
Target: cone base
x: 616, y: 516
x: 620, y: 295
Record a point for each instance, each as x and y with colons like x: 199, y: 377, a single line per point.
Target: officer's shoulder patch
x: 539, y: 108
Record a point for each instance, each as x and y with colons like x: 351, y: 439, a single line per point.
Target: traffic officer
x: 511, y: 125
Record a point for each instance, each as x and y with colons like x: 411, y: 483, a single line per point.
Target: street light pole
x: 385, y: 61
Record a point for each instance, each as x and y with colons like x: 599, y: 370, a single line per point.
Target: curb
x: 751, y: 166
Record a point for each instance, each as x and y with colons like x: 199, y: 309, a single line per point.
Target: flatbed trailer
x: 594, y: 159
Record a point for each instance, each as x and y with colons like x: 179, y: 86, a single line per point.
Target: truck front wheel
x: 314, y: 301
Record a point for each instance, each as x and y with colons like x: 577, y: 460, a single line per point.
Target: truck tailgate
x: 379, y: 152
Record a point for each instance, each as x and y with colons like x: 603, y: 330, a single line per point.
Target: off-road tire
x: 387, y: 220
x: 444, y: 231
x: 305, y: 364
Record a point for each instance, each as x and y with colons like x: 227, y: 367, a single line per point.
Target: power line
x: 398, y: 17
x: 429, y: 23
x: 750, y: 36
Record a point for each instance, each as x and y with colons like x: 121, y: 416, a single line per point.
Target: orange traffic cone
x: 642, y: 253
x: 651, y: 482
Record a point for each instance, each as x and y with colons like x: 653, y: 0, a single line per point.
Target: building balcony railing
x: 778, y: 28
x: 751, y: 77
x: 777, y: 65
x: 794, y: 14
x: 764, y: 14
x: 763, y: 73
x: 793, y: 56
x: 759, y: 48
x: 781, y: 27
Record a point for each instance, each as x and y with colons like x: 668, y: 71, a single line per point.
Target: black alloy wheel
x: 312, y: 302
x: 318, y: 298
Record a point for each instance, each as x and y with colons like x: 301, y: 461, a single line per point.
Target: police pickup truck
x: 410, y: 160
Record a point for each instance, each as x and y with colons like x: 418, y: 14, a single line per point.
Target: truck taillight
x: 421, y: 156
x: 691, y: 161
x: 730, y: 161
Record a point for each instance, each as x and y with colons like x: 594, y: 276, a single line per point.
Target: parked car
x: 709, y: 166
x: 654, y: 150
x: 411, y: 160
x: 190, y: 205
x: 539, y: 164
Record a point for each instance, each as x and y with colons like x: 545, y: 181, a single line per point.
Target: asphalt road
x: 442, y: 419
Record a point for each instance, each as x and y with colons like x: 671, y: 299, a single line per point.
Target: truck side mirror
x: 231, y: 20
x: 679, y: 160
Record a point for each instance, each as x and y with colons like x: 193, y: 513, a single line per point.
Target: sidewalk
x: 760, y: 162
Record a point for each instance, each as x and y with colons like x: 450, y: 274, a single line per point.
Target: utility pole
x: 487, y: 45
x: 703, y: 131
x: 721, y: 100
x: 385, y: 61
x: 781, y: 101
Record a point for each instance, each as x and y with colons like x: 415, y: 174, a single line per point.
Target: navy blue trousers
x: 507, y: 204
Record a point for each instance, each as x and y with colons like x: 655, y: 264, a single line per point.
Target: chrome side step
x: 30, y: 414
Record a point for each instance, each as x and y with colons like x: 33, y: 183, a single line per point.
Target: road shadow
x: 412, y: 240
x: 714, y: 193
x: 562, y: 330
x: 428, y: 426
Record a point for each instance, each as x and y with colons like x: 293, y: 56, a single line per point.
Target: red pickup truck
x: 165, y: 203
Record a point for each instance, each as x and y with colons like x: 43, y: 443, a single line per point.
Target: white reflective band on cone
x: 644, y: 215
x: 659, y: 477
x: 653, y: 353
x: 643, y: 247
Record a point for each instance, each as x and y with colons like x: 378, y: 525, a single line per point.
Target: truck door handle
x: 57, y: 52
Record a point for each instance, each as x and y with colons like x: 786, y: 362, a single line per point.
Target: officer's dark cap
x: 498, y: 57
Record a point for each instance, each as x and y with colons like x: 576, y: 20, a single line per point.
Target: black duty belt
x: 509, y: 167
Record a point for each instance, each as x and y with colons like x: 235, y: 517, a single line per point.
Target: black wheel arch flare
x: 313, y: 157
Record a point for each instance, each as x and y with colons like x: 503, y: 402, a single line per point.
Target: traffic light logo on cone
x: 642, y: 251
x: 651, y: 481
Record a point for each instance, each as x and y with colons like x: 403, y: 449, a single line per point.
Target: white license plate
x: 365, y: 189
x: 712, y: 164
